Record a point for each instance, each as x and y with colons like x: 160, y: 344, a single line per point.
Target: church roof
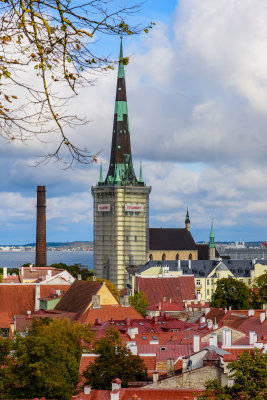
x: 203, y: 251
x: 171, y: 239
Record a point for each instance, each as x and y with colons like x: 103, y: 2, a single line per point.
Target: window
x: 190, y: 256
x: 151, y: 257
x: 144, y: 337
x: 154, y: 337
x: 135, y: 238
x: 198, y: 291
x: 249, y: 281
x: 127, y: 238
x: 163, y: 257
x: 208, y: 292
x: 208, y: 281
x: 177, y: 256
x: 198, y: 282
x: 241, y: 280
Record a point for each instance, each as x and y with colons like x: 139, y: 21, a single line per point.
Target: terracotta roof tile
x: 11, y: 279
x: 106, y: 312
x: 4, y: 320
x: 176, y: 288
x: 166, y: 306
x: 150, y: 363
x: 19, y: 298
x: 78, y: 297
x: 38, y: 273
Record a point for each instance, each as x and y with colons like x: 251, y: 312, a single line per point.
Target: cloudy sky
x: 197, y: 99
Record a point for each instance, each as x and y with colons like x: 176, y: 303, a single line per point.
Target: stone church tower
x: 121, y: 202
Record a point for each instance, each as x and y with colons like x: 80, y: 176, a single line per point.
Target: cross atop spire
x: 121, y: 171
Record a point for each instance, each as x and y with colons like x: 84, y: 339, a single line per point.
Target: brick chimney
x: 40, y: 253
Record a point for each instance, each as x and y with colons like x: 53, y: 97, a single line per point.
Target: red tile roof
x: 176, y: 288
x: 150, y: 363
x: 38, y: 273
x: 144, y: 393
x: 106, y: 312
x: 11, y: 279
x: 4, y: 320
x: 20, y: 298
x: 166, y: 306
x: 26, y: 320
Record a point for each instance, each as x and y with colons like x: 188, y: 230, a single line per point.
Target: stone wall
x: 191, y: 380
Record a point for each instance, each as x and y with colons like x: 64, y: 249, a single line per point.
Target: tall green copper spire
x: 121, y: 169
x: 141, y: 179
x: 101, y: 180
x: 212, y: 243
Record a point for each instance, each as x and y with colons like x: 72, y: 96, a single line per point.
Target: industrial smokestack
x: 40, y: 253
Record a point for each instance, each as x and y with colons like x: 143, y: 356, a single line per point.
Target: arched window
x: 151, y: 257
x: 190, y: 256
x: 163, y: 256
x: 177, y: 256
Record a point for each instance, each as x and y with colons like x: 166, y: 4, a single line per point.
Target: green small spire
x: 141, y: 179
x: 101, y: 180
x: 117, y: 178
x: 121, y: 73
x: 212, y: 243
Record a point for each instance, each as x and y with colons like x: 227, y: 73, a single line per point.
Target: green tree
x: 250, y: 379
x: 1, y: 278
x: 139, y: 302
x: 55, y: 43
x: 231, y: 293
x: 74, y: 270
x: 46, y: 361
x: 114, y: 361
x: 259, y: 291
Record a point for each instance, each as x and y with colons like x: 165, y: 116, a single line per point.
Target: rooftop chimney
x: 96, y: 301
x: 262, y: 317
x: 227, y: 337
x: 196, y: 343
x: 116, y: 384
x: 252, y: 337
x: 213, y: 340
x: 87, y: 389
x: 40, y: 253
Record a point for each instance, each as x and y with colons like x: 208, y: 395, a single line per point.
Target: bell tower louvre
x: 121, y: 202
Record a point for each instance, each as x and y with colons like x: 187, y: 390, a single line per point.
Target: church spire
x: 212, y: 243
x: 212, y: 252
x: 101, y: 180
x: 141, y: 179
x: 121, y: 156
x: 187, y: 220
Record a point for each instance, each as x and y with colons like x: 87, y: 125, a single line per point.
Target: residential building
x: 82, y: 295
x: 205, y: 273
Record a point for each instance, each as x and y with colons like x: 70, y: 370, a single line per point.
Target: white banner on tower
x: 134, y: 207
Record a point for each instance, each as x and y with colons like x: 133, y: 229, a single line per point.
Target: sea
x: 13, y: 259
